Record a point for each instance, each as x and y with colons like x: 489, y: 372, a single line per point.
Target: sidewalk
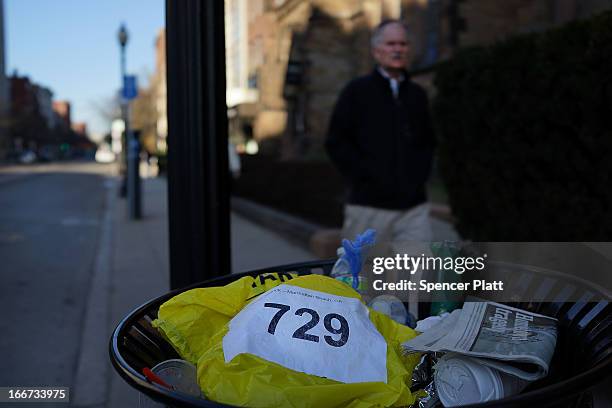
x: 140, y: 263
x: 133, y: 267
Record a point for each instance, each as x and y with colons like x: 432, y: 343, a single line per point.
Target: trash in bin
x: 178, y: 374
x: 348, y: 267
x: 493, y: 351
x: 461, y: 380
x: 497, y: 333
x: 425, y: 324
x: 174, y: 374
x: 422, y: 379
x: 392, y: 307
x: 442, y: 301
x: 306, y: 342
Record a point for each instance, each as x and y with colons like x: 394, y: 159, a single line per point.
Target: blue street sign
x: 130, y: 89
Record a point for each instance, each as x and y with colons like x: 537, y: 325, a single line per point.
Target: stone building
x: 237, y: 55
x: 287, y: 60
x: 241, y: 94
x: 484, y: 22
x: 302, y: 52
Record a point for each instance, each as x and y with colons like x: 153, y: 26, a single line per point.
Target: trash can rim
x: 551, y: 272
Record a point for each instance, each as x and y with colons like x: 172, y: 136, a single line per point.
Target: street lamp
x: 130, y: 184
x: 122, y: 36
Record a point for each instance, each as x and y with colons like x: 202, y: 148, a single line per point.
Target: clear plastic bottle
x: 348, y: 267
x: 342, y: 272
x: 342, y: 266
x: 444, y: 301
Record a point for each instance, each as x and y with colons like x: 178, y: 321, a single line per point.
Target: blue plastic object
x: 353, y: 252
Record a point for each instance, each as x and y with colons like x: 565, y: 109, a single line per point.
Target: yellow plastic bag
x: 196, y: 321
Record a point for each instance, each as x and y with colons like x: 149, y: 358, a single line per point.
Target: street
x: 50, y: 225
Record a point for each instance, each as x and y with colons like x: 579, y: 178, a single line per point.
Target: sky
x: 71, y: 47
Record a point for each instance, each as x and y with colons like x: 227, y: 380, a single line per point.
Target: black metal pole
x: 198, y: 175
x: 134, y: 193
x: 124, y: 144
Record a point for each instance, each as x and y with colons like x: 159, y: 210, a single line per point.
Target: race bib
x: 312, y: 332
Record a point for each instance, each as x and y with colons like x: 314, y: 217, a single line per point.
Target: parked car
x: 27, y: 157
x: 104, y: 155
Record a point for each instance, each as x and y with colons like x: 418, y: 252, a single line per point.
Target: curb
x: 321, y: 241
x: 91, y: 390
x: 290, y: 227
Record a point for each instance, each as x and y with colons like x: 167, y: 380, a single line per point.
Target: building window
x: 252, y: 81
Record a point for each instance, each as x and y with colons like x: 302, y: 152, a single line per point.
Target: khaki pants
x: 397, y: 232
x: 392, y: 226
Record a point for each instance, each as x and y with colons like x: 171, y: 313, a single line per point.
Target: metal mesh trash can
x: 583, y: 355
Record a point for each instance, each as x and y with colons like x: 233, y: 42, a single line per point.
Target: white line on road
x: 7, y: 178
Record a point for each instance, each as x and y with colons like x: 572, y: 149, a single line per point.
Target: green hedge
x: 525, y: 130
x: 312, y: 190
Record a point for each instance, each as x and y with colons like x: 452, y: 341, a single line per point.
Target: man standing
x: 381, y: 139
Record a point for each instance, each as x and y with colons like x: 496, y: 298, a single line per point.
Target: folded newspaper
x: 511, y: 340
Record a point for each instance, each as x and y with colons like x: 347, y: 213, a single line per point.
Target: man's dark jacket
x: 381, y: 144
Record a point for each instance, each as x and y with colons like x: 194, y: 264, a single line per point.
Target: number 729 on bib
x: 311, y: 332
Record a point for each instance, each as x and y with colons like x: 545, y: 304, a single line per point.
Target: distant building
x: 37, y: 122
x: 22, y: 95
x: 44, y: 100
x: 80, y: 128
x: 5, y: 96
x: 23, y: 107
x: 237, y: 53
x: 82, y: 140
x: 160, y: 92
x: 62, y: 109
x: 29, y: 127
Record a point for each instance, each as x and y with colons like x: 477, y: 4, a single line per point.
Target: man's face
x: 393, y: 49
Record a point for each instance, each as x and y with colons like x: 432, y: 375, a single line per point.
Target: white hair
x: 378, y: 31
